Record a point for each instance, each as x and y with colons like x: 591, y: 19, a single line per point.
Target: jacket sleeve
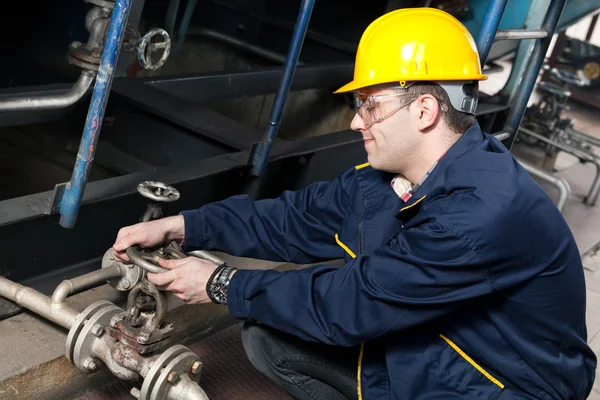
x: 299, y: 226
x: 420, y: 274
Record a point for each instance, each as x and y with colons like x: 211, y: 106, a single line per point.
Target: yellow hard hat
x: 415, y: 44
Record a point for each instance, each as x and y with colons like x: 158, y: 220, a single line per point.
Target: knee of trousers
x: 258, y: 344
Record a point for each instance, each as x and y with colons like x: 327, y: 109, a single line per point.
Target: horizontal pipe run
x: 519, y: 34
x: 583, y: 136
x: 561, y: 184
x: 63, y: 100
x: 35, y: 301
x: 561, y: 146
x: 83, y: 282
x: 592, y: 196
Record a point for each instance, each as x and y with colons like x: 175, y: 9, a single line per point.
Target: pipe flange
x: 131, y: 273
x: 150, y: 386
x: 83, y: 351
x: 158, y: 191
x: 82, y: 57
x: 79, y: 323
x: 172, y: 374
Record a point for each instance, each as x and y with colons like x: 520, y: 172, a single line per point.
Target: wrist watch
x: 218, y: 283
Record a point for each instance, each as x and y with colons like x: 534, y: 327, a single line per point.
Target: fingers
x: 162, y: 280
x: 171, y: 264
x: 129, y: 236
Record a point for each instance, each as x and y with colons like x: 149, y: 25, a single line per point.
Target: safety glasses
x: 375, y: 108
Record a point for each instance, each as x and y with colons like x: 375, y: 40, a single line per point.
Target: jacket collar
x: 471, y: 138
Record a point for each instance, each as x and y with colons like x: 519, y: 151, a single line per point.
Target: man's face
x: 388, y: 128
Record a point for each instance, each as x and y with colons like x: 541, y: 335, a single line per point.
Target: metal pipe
x: 241, y: 44
x: 584, y: 136
x: 187, y: 389
x: 83, y: 282
x: 262, y: 150
x: 62, y: 100
x: 38, y: 303
x: 71, y: 199
x: 206, y: 256
x: 502, y: 135
x: 592, y: 196
x: 540, y: 48
x: 489, y: 27
x: 519, y: 34
x: 561, y: 184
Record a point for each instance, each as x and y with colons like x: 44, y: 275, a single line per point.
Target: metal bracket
x: 55, y: 201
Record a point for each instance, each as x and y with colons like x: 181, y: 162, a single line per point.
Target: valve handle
x: 146, y: 49
x: 158, y: 191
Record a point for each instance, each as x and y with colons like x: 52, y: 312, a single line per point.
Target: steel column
x: 71, y: 199
x: 534, y: 20
x: 489, y: 27
x: 262, y: 150
x: 532, y: 70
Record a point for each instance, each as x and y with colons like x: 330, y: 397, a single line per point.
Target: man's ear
x: 428, y: 111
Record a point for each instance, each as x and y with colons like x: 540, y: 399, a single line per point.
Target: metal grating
x: 226, y: 374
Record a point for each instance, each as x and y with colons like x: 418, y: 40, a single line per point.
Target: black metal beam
x: 210, y: 87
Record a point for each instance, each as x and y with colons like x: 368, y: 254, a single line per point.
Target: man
x: 461, y: 278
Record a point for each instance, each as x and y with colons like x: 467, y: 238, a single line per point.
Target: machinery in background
x: 545, y: 125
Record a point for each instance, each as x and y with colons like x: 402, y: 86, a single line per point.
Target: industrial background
x: 116, y: 111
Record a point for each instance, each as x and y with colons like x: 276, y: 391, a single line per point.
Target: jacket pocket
x: 456, y: 368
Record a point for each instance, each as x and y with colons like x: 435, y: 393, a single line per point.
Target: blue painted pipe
x: 489, y: 27
x: 261, y: 154
x: 519, y: 104
x: 71, y: 199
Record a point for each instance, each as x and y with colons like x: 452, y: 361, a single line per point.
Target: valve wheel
x: 146, y: 49
x: 158, y: 191
x: 147, y: 259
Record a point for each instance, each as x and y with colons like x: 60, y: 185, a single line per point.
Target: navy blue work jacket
x: 472, y: 289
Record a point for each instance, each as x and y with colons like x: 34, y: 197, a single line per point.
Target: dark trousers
x: 303, y: 369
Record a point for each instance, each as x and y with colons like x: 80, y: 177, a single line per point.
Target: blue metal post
x: 71, y: 199
x: 261, y: 153
x: 489, y: 27
x: 515, y: 114
x: 534, y: 20
x: 185, y: 24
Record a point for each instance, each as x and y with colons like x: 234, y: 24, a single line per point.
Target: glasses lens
x: 373, y: 109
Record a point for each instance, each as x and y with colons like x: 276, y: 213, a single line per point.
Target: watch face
x: 220, y: 292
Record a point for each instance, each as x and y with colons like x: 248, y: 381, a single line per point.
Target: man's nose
x: 357, y: 123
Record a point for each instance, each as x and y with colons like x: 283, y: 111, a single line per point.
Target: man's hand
x: 149, y: 234
x: 187, y: 278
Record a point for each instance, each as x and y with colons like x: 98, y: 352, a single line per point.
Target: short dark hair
x: 456, y: 120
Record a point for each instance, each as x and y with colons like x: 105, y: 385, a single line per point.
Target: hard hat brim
x: 356, y: 84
